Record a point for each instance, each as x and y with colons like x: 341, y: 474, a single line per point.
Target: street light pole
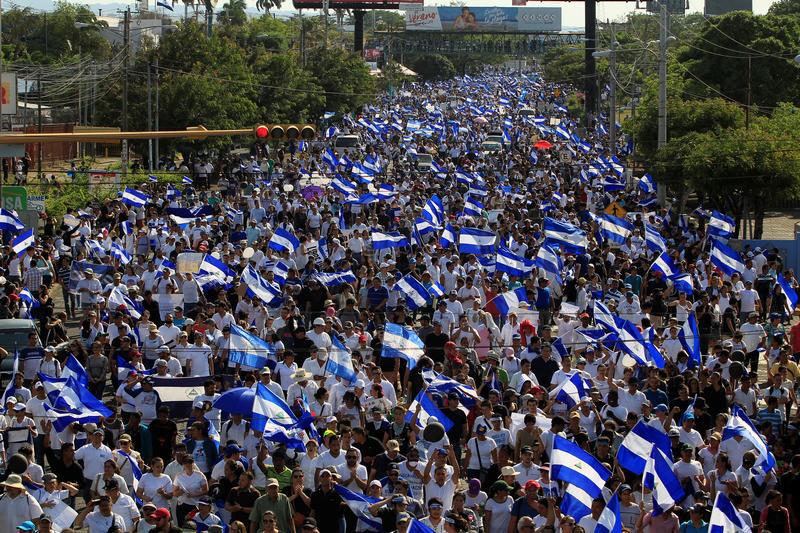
x: 662, y: 86
x: 126, y: 43
x: 612, y: 129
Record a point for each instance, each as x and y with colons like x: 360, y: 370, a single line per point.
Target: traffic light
x: 277, y: 132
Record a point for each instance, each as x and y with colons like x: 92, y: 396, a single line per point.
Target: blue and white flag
x: 119, y: 253
x: 126, y: 227
x: 186, y: 180
x: 654, y: 240
x: 359, y: 504
x: 660, y: 478
x: 647, y: 184
x: 386, y: 240
x: 428, y: 410
x: 638, y: 444
x: 215, y: 267
x: 448, y: 236
x: 10, y: 222
x: 134, y: 198
x: 283, y: 241
x: 124, y: 364
x: 415, y: 293
x: 164, y: 4
x: 740, y: 425
x: 473, y: 207
x: 268, y: 406
x: 70, y: 402
x: 504, y: 303
x: 281, y: 272
x: 291, y: 438
x: 424, y: 227
x: 615, y: 229
x: 721, y: 225
x: 119, y: 301
x: 476, y: 241
x: 512, y: 264
x: 610, y: 520
x: 571, y: 391
x: 402, y: 343
x: 23, y: 241
x: 585, y: 475
x: 791, y: 294
x: 725, y: 259
x: 568, y: 237
x: 74, y: 369
x: 683, y: 283
x: 343, y: 186
x: 249, y: 351
x: 335, y: 278
x: 689, y: 336
x: 663, y: 263
x: 137, y: 474
x: 339, y: 362
x: 548, y: 260
x: 725, y: 517
x: 434, y: 211
x: 260, y: 288
x: 329, y: 158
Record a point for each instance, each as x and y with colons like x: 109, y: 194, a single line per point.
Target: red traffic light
x: 262, y: 132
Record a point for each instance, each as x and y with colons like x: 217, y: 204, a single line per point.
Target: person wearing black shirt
x: 63, y: 465
x: 302, y: 346
x: 299, y: 496
x: 241, y: 499
x: 326, y: 505
x: 381, y: 463
x: 162, y: 432
x: 544, y: 366
x: 369, y: 446
x: 415, y: 380
x: 457, y: 434
x: 434, y: 343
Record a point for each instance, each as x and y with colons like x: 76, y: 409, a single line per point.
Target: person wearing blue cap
x: 27, y: 525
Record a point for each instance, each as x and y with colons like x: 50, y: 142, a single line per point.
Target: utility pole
x: 126, y: 43
x: 149, y: 119
x: 590, y: 82
x: 325, y: 4
x: 39, y: 112
x: 612, y: 126
x: 749, y: 91
x: 157, y: 152
x: 662, y: 86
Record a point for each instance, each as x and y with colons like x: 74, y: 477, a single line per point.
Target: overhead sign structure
x: 355, y: 4
x: 15, y: 198
x: 485, y: 19
x: 720, y: 7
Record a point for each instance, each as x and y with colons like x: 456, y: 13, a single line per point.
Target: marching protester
x: 476, y: 318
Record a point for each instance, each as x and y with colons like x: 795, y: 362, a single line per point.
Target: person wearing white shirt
x: 169, y: 331
x: 94, y: 454
x: 198, y: 358
x: 318, y: 335
x: 689, y: 470
x: 632, y: 398
x: 689, y: 435
x: 99, y: 518
x: 735, y: 448
x: 745, y: 396
x: 749, y: 300
x: 123, y: 505
x: 444, y: 317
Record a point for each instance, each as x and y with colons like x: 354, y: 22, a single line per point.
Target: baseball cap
x: 161, y: 512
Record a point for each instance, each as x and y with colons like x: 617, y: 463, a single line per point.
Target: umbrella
x: 312, y: 191
x: 481, y: 120
x: 239, y: 400
x: 543, y: 145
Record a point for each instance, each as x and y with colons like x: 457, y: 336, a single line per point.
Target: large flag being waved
x: 585, y: 476
x: 249, y: 351
x: 725, y: 259
x: 635, y: 450
x: 504, y: 303
x: 610, y: 520
x: 570, y: 391
x: 476, y: 241
x: 660, y: 478
x: 339, y: 361
x: 725, y: 518
x: 268, y: 406
x: 739, y: 424
x: 791, y: 294
x: 283, y: 241
x: 402, y: 343
x: 568, y: 237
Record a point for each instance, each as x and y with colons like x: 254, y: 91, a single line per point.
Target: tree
x: 234, y: 12
x: 344, y: 77
x: 785, y: 7
x: 266, y: 5
x: 433, y: 67
x: 288, y: 93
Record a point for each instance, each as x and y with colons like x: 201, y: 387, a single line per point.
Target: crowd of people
x: 510, y: 349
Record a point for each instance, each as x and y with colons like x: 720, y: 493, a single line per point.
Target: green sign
x: 15, y: 198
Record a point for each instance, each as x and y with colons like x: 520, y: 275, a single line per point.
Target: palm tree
x: 266, y: 5
x: 234, y: 12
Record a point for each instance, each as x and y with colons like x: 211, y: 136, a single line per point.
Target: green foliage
x: 433, y: 67
x: 785, y: 7
x: 564, y: 65
x: 288, y: 92
x: 344, y: 76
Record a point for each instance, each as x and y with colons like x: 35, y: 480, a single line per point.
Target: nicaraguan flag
x: 424, y: 227
x: 663, y: 263
x: 249, y: 351
x: 71, y: 402
x: 428, y: 410
x: 725, y: 259
x: 164, y: 4
x: 74, y: 369
x: 585, y: 475
x: 134, y: 198
x: 137, y: 473
x: 260, y: 288
x: 118, y: 299
x: 725, y: 517
x: 448, y: 236
x: 636, y: 447
x: 739, y: 424
x: 392, y: 239
x: 473, y: 207
x: 434, y: 211
x: 10, y: 222
x: 281, y: 272
x: 683, y: 283
x: 721, y: 225
x: 647, y: 184
x: 283, y: 241
x: 512, y: 264
x: 791, y: 294
x: 402, y: 343
x: 660, y: 478
x: 11, y: 390
x: 23, y: 241
x: 330, y: 159
x: 568, y: 237
x: 615, y: 229
x: 335, y: 278
x: 126, y: 227
x: 610, y: 520
x: 548, y: 260
x: 654, y: 240
x: 186, y: 180
x: 690, y: 338
x: 339, y: 361
x: 215, y: 267
x: 504, y: 303
x: 476, y: 241
x: 359, y: 504
x: 343, y: 186
x: 414, y: 291
x: 570, y: 392
x: 268, y: 406
x: 119, y: 253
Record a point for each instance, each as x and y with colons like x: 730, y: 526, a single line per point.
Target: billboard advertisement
x: 359, y: 4
x: 720, y: 7
x: 485, y: 19
x: 8, y: 93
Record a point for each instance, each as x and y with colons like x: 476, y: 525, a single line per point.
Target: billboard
x: 677, y: 7
x: 720, y: 7
x: 485, y: 19
x: 8, y: 93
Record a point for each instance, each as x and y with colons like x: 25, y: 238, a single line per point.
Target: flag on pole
x: 402, y: 343
x: 23, y: 241
x: 585, y: 475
